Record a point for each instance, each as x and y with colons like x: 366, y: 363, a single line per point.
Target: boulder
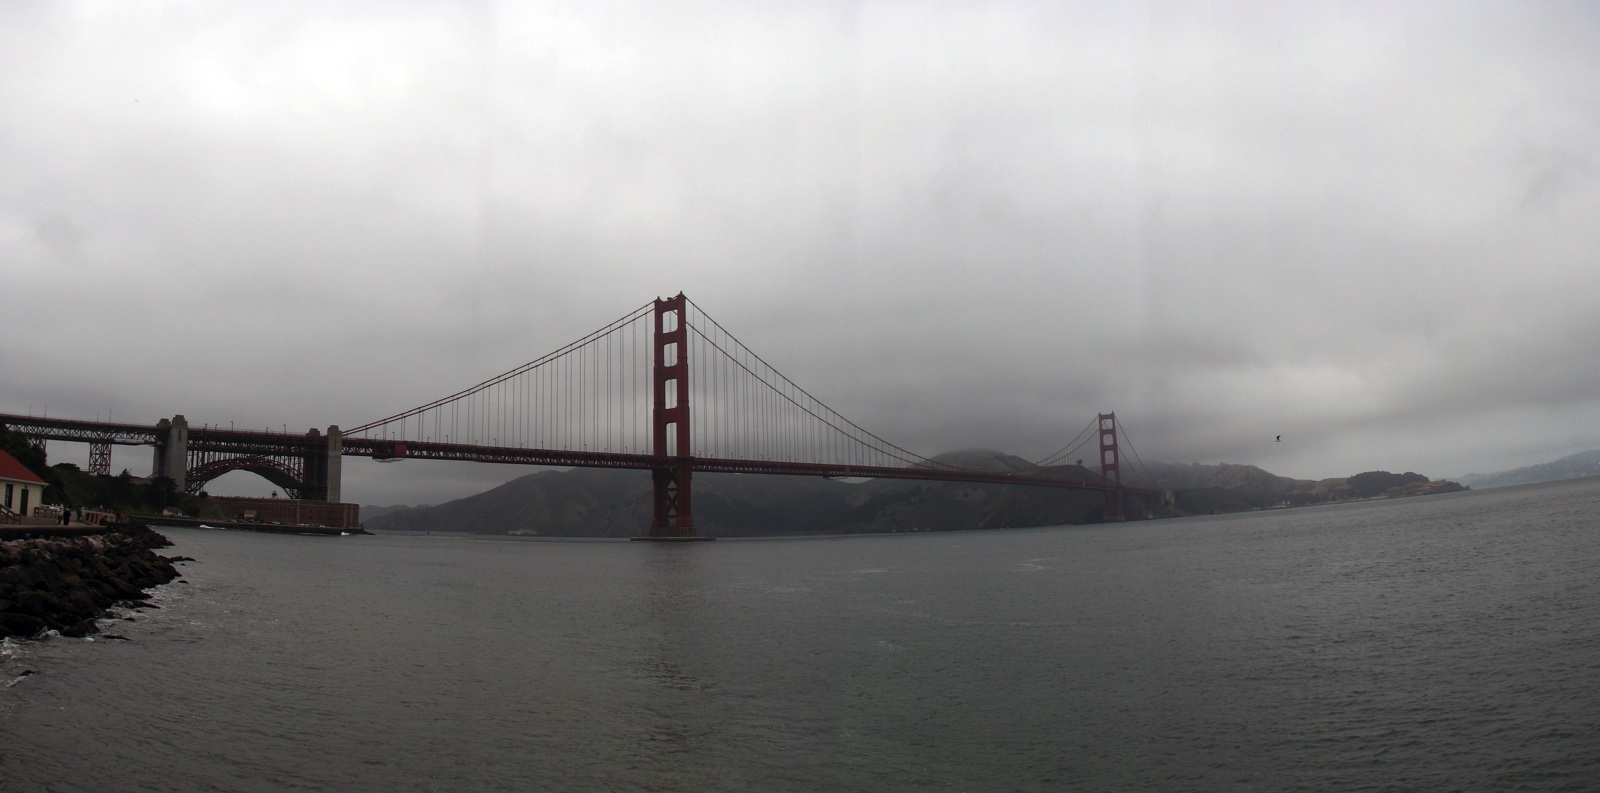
x: 66, y: 583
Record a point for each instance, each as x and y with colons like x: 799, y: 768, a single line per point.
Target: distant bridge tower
x: 1110, y: 467
x: 673, y: 515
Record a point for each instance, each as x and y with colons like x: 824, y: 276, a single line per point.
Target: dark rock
x: 122, y: 590
x: 39, y: 604
x: 80, y: 629
x: 65, y: 583
x: 83, y: 603
x: 15, y: 624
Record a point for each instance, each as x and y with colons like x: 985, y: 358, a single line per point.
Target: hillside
x: 1573, y: 466
x: 1201, y: 489
x: 370, y: 511
x: 1205, y: 489
x: 610, y: 503
x: 613, y: 503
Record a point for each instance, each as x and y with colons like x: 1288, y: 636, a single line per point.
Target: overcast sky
x: 1372, y: 228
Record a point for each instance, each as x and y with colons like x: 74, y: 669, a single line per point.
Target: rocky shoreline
x: 66, y: 583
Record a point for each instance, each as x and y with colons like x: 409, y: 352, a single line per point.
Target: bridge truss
x: 193, y: 456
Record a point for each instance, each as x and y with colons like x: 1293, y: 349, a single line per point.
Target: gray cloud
x: 1367, y: 228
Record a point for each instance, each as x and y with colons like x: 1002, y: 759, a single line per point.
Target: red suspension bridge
x: 624, y: 396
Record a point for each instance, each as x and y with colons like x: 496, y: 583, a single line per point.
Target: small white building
x: 20, y: 489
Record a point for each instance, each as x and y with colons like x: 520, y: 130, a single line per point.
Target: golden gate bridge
x: 663, y: 388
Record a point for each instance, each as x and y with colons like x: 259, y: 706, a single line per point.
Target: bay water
x: 1439, y: 643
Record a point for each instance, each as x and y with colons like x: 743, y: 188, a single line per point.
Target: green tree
x: 1372, y: 483
x: 17, y: 445
x: 160, y: 493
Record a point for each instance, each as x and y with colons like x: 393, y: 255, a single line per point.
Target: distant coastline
x: 270, y: 528
x: 598, y: 503
x: 1573, y: 466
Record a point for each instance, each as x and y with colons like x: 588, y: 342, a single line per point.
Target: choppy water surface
x: 1430, y: 644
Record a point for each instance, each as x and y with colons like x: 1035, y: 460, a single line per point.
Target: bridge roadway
x: 420, y: 450
x: 223, y: 443
x: 204, y: 438
x: 305, y: 466
x: 208, y: 438
x: 81, y: 431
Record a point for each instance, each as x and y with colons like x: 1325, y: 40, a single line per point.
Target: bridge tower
x: 673, y: 516
x: 1110, y: 467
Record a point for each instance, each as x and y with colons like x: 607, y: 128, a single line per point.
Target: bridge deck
x: 420, y: 450
x: 256, y: 442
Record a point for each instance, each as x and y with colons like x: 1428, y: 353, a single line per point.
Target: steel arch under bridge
x: 304, y: 466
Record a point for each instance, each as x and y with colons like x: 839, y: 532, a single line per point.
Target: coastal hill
x: 587, y: 502
x: 1573, y: 466
x: 1201, y: 489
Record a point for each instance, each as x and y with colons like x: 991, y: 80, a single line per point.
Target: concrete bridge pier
x: 331, y: 471
x: 172, y: 450
x: 322, y: 461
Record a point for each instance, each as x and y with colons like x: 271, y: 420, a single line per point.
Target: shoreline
x: 236, y: 525
x: 66, y: 583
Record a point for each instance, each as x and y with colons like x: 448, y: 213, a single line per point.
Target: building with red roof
x: 22, y: 490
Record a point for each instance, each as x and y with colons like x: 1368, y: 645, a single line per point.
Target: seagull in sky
x: 1279, y: 440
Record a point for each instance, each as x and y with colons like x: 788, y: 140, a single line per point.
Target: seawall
x: 65, y: 583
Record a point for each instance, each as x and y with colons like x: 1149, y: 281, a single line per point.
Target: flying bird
x: 1279, y: 440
